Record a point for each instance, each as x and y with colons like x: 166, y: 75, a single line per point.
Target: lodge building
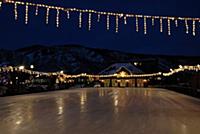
x: 122, y: 69
x: 118, y: 73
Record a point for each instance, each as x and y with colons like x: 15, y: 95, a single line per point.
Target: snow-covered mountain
x: 75, y: 59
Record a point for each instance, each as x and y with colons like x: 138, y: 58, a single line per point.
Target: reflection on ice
x: 100, y: 111
x: 20, y: 113
x: 101, y: 92
x: 83, y: 100
x: 184, y: 129
x: 18, y: 122
x: 60, y: 110
x: 127, y: 92
x: 116, y: 100
x: 60, y: 105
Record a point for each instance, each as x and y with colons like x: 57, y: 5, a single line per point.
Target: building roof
x: 115, y: 68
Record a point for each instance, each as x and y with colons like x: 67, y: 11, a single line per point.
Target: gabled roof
x: 118, y: 66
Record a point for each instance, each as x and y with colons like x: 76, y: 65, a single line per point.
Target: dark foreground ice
x: 101, y: 111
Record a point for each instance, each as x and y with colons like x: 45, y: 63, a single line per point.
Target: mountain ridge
x: 75, y: 59
x: 104, y: 49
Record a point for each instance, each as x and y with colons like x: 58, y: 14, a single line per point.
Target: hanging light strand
x: 186, y: 26
x: 96, y: 12
x: 26, y: 14
x: 36, y: 10
x: 15, y: 11
x: 99, y: 13
x: 161, y: 25
x: 89, y: 21
x: 153, y: 21
x: 169, y: 26
x: 47, y: 16
x: 125, y: 20
x: 68, y: 14
x: 117, y: 24
x: 108, y: 22
x: 137, y: 23
x: 176, y: 22
x: 80, y: 19
x: 57, y: 17
x: 194, y: 28
x: 98, y: 17
x: 145, y: 25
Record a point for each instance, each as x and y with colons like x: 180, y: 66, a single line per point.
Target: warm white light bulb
x: 21, y: 67
x: 32, y: 66
x: 62, y: 72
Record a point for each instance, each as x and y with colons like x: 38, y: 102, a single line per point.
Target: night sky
x: 15, y: 34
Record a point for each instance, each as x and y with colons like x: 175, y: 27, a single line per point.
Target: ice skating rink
x: 100, y: 111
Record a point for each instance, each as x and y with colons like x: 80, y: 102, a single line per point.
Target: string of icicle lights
x: 107, y: 15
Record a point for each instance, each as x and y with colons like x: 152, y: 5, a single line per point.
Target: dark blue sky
x: 17, y: 34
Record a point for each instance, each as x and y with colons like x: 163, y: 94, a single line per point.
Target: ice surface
x: 100, y: 111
